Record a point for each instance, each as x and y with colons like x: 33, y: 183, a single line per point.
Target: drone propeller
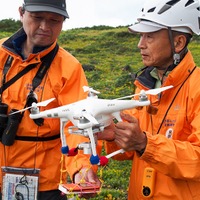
x: 89, y: 89
x: 34, y: 105
x: 158, y: 90
x: 45, y: 103
x: 151, y: 92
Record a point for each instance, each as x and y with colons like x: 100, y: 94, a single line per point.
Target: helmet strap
x: 176, y: 56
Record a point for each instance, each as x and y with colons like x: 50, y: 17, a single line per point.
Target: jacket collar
x: 177, y: 75
x: 13, y: 45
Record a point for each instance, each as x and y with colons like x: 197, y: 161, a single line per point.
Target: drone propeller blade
x: 151, y: 92
x: 43, y: 103
x: 20, y: 110
x: 90, y: 118
x: 89, y: 89
x: 158, y: 90
x: 126, y: 97
x: 86, y: 88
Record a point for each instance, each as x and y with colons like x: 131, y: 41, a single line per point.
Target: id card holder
x: 20, y: 183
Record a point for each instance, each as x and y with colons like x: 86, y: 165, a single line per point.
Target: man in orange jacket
x: 163, y: 139
x: 37, y: 144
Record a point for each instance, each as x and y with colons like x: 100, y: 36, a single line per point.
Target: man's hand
x: 84, y: 176
x: 108, y: 133
x: 128, y: 134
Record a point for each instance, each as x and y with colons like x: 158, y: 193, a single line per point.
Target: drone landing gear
x: 87, y: 147
x: 104, y: 159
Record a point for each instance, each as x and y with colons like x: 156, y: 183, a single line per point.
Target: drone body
x: 86, y: 115
x: 95, y: 110
x: 90, y: 116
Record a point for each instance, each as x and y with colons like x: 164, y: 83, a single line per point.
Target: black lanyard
x: 174, y: 100
x: 7, y: 65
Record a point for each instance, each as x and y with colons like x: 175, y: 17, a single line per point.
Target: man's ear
x: 21, y: 12
x: 179, y: 43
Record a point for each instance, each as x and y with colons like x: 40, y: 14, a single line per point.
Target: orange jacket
x: 64, y: 81
x: 174, y: 152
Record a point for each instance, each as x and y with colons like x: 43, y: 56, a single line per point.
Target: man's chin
x: 146, y: 63
x: 42, y: 44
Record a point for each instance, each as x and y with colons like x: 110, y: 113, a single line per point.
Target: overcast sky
x: 87, y: 12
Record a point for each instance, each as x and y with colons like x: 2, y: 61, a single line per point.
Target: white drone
x: 90, y: 116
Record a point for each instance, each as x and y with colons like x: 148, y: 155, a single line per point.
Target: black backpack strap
x: 37, y: 139
x: 16, y: 77
x: 46, y: 62
x: 7, y: 64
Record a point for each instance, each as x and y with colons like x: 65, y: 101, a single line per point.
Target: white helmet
x: 180, y: 15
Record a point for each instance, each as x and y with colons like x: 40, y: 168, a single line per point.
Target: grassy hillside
x: 109, y: 56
